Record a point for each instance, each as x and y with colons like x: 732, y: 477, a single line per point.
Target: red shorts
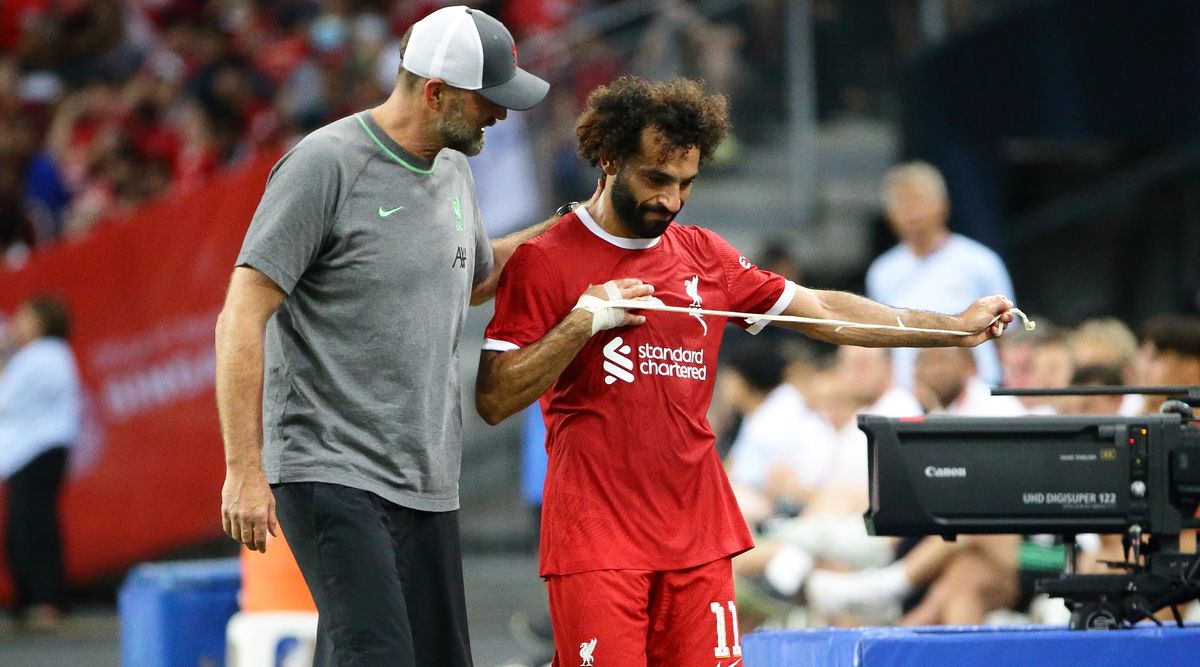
x: 644, y: 618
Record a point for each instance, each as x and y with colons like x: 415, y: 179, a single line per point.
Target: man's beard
x: 456, y: 129
x: 636, y: 216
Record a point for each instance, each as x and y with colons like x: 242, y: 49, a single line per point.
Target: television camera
x: 1134, y: 476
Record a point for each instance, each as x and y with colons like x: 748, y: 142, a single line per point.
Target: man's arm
x: 247, y: 505
x: 509, y: 381
x: 831, y: 305
x: 502, y: 249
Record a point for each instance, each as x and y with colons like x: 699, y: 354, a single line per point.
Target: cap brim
x: 519, y: 93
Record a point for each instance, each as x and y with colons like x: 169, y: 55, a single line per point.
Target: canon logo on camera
x: 940, y: 472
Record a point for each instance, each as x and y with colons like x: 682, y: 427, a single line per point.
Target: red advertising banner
x: 144, y: 293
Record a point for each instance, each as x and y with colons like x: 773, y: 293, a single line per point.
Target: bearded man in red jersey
x: 638, y: 520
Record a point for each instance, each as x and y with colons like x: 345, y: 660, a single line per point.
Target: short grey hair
x: 918, y: 173
x: 1109, y: 332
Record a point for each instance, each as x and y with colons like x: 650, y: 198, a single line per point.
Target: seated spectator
x: 830, y: 530
x: 946, y: 382
x: 866, y: 375
x: 782, y: 451
x: 967, y: 578
x: 1016, y: 356
x: 1050, y: 367
x: 1107, y: 342
x: 1169, y: 354
x: 1095, y: 376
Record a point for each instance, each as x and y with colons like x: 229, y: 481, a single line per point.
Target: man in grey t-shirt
x: 342, y: 324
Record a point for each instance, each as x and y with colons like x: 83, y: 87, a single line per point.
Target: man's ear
x: 609, y: 166
x: 434, y: 92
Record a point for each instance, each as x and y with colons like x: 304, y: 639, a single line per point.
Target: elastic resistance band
x: 751, y: 318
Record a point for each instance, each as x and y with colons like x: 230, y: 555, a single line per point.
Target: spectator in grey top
x: 359, y: 265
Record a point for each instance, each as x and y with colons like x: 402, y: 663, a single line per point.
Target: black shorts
x: 387, y: 579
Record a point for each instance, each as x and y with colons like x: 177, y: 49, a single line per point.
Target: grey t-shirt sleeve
x: 295, y: 214
x: 483, y: 253
x: 484, y: 259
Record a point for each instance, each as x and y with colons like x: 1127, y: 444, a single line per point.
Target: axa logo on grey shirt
x: 460, y: 258
x: 361, y: 385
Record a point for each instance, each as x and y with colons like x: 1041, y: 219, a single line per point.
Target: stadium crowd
x: 105, y: 104
x: 109, y: 104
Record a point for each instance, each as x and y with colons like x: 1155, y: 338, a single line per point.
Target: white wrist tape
x: 604, y: 316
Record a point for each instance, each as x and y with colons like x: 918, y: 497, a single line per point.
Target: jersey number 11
x: 723, y: 648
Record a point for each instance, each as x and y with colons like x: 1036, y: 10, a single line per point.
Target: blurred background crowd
x: 923, y: 152
x: 110, y: 103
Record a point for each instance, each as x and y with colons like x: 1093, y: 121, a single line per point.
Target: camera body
x: 1138, y: 477
x: 1060, y: 475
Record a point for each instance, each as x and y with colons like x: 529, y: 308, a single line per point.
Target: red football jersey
x: 634, y: 481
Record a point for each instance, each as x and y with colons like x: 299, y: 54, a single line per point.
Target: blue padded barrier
x: 977, y: 646
x: 174, y: 614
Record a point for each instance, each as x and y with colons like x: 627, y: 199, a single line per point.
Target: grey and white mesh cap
x: 469, y: 49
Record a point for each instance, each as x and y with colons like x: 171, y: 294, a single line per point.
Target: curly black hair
x: 683, y: 113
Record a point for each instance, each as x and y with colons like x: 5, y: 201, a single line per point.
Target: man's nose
x: 671, y: 198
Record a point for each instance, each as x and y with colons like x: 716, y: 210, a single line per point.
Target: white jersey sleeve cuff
x: 499, y: 345
x: 789, y: 291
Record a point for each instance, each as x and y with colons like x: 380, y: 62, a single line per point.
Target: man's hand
x: 610, y: 318
x: 248, y: 508
x: 979, y: 318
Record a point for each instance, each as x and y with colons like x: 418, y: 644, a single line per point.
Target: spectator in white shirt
x: 831, y: 529
x: 783, y: 449
x: 932, y: 268
x: 947, y: 382
x: 866, y: 372
x: 981, y: 569
x: 39, y: 421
